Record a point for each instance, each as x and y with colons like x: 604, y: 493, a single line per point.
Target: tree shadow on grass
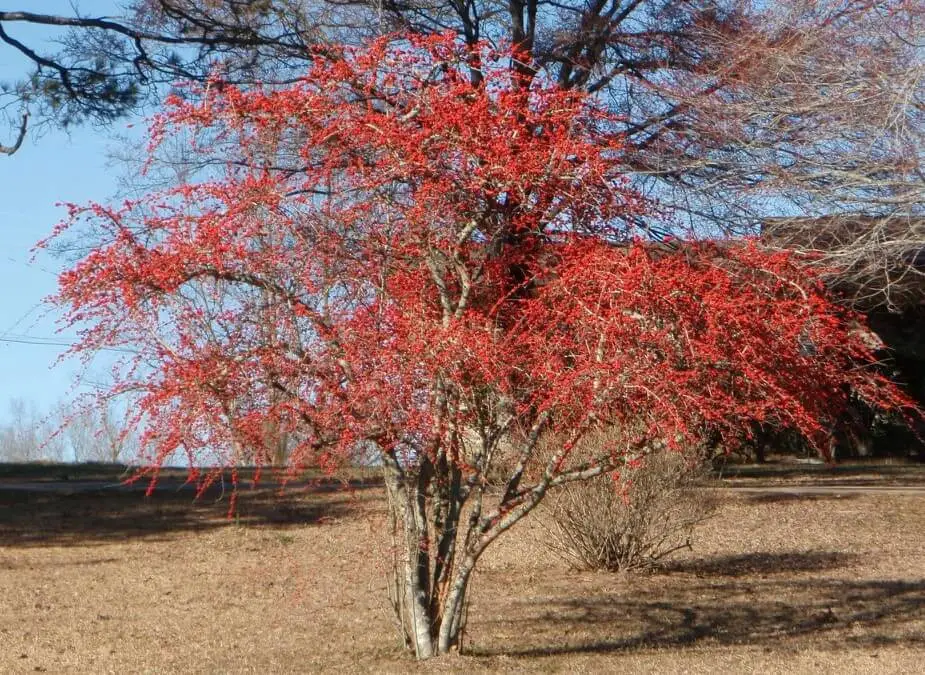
x: 43, y: 518
x: 755, y: 600
x: 798, y: 496
x: 858, y: 473
x: 761, y: 564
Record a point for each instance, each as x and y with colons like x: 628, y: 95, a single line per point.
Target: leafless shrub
x: 632, y: 520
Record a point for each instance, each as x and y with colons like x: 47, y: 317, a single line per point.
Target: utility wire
x: 52, y: 342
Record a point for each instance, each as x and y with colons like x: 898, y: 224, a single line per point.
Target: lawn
x: 115, y: 582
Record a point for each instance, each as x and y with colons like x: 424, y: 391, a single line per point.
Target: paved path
x: 832, y: 489
x: 66, y: 487
x: 70, y: 487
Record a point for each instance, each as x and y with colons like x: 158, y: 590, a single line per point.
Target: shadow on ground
x: 871, y: 473
x: 798, y: 496
x: 733, y: 600
x: 87, y: 517
x: 760, y: 564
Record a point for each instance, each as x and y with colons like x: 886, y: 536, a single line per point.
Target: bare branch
x: 20, y: 137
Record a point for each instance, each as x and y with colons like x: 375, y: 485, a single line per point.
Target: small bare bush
x: 631, y: 520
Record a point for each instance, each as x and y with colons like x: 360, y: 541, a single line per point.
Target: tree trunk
x: 429, y: 585
x: 454, y: 607
x: 417, y: 608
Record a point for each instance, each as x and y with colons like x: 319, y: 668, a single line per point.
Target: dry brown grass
x: 775, y: 584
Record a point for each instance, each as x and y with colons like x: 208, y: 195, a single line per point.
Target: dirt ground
x: 776, y: 583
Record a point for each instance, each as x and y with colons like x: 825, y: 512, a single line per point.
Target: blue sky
x: 54, y: 167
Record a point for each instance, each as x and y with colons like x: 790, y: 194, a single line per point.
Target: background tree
x: 734, y: 110
x: 29, y: 436
x: 821, y: 116
x: 104, y: 67
x: 452, y: 275
x: 95, y: 433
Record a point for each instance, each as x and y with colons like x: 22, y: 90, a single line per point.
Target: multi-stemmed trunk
x: 441, y: 524
x: 432, y: 556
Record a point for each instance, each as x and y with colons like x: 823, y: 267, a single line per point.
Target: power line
x: 36, y: 341
x: 52, y: 342
x: 31, y: 265
x: 22, y: 318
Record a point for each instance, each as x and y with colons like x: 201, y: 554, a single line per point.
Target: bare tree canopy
x: 735, y: 110
x: 871, y: 260
x: 29, y: 436
x: 96, y: 433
